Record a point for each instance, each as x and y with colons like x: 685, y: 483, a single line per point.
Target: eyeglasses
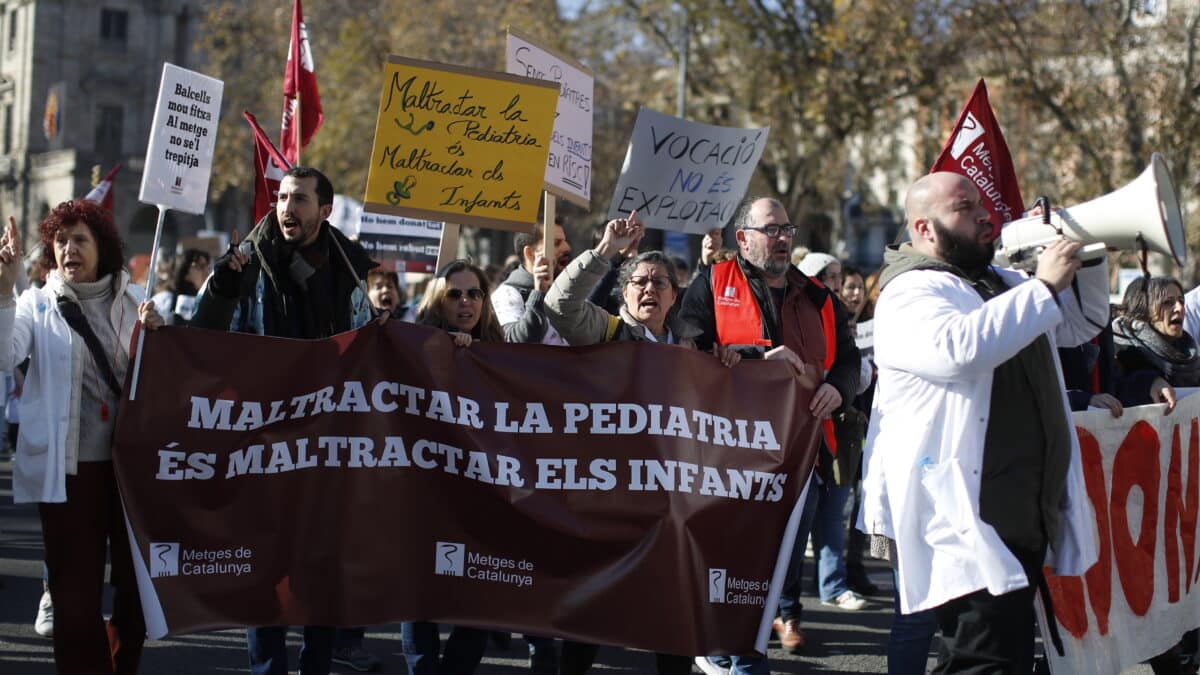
x: 472, y: 293
x: 659, y: 283
x: 773, y: 230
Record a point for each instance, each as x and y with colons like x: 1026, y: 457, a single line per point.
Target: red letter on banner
x: 1136, y: 464
x: 1067, y: 592
x: 1180, y: 513
x: 1099, y: 577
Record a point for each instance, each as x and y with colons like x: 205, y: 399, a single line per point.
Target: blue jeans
x: 909, y: 641
x: 421, y: 642
x: 829, y: 540
x: 268, y: 650
x: 789, y: 595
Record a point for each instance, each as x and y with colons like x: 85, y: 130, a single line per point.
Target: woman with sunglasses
x: 455, y: 301
x: 648, y: 289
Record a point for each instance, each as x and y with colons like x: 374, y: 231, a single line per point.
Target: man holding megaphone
x: 971, y: 466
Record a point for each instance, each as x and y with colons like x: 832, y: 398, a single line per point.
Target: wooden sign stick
x: 548, y: 231
x: 448, y: 251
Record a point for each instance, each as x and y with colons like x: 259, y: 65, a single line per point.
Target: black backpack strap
x: 73, y: 314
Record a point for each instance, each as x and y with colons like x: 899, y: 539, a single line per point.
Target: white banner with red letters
x: 1143, y: 479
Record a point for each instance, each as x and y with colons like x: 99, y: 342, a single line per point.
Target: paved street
x: 839, y: 641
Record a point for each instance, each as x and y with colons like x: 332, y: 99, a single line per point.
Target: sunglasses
x: 472, y: 293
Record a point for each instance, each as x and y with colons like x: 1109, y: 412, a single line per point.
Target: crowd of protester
x: 613, y: 291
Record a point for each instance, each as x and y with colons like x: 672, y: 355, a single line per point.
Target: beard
x: 964, y: 253
x: 764, y: 259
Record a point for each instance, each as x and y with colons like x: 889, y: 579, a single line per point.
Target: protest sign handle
x: 548, y: 233
x: 150, y: 277
x: 448, y: 250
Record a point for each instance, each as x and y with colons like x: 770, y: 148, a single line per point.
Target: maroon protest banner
x: 626, y: 494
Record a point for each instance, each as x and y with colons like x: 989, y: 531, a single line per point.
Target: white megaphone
x: 1143, y: 213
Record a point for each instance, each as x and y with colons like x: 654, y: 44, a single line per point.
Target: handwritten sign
x: 685, y: 176
x: 401, y: 244
x: 182, y: 139
x: 569, y: 166
x: 460, y: 145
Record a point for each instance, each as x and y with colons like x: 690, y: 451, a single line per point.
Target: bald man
x: 972, y: 466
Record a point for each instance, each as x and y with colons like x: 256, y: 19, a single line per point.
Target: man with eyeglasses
x: 761, y: 305
x: 972, y: 468
x: 294, y: 276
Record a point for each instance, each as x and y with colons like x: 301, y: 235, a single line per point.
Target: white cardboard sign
x: 569, y: 165
x: 182, y: 138
x: 685, y: 176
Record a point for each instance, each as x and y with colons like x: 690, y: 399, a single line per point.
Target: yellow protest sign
x: 460, y: 145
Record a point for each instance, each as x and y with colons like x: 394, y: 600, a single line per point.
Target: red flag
x: 299, y: 89
x: 977, y: 150
x: 102, y: 193
x: 269, y: 167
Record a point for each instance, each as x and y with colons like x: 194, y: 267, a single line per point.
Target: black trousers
x: 985, y: 634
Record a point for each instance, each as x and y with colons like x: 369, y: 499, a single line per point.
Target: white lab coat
x: 48, y: 441
x: 937, y: 344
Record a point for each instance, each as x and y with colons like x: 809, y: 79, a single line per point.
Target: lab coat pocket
x: 946, y: 513
x: 34, y: 437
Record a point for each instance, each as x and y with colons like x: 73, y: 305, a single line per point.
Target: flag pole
x: 150, y: 276
x: 296, y: 126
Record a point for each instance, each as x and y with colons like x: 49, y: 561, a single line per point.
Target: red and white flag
x: 269, y: 167
x: 299, y: 91
x: 103, y: 193
x: 977, y: 150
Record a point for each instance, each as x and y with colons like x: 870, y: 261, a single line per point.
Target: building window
x: 114, y: 27
x: 12, y: 30
x: 110, y: 119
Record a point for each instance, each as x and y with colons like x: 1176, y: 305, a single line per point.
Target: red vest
x: 739, y: 322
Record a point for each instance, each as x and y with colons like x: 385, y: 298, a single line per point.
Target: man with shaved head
x: 972, y: 467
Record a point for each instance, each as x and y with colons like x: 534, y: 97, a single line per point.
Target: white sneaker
x: 44, y: 624
x: 709, y: 668
x: 849, y: 601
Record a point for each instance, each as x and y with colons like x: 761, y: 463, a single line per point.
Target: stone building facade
x: 78, y: 85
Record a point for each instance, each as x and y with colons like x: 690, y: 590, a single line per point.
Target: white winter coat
x: 48, y: 440
x: 937, y: 344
